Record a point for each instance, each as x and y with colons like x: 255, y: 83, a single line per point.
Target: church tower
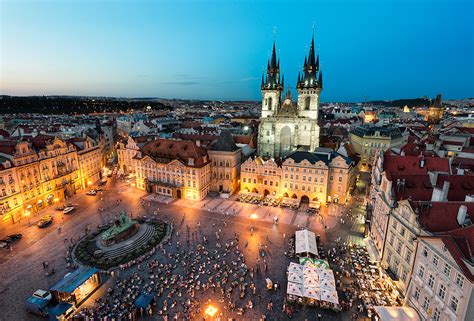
x: 272, y: 86
x: 309, y: 85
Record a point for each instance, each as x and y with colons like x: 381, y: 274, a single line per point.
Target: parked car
x: 45, y: 221
x: 42, y: 294
x: 91, y: 192
x: 60, y: 208
x: 12, y: 238
x: 68, y: 209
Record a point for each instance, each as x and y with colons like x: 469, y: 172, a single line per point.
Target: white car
x: 92, y: 192
x: 68, y: 209
x: 42, y: 294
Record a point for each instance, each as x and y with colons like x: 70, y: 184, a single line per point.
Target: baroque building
x: 285, y: 125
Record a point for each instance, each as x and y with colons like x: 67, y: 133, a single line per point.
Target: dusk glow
x: 217, y: 49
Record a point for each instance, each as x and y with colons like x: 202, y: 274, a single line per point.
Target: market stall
x: 305, y: 243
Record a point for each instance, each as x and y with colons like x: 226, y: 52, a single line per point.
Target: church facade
x: 286, y: 125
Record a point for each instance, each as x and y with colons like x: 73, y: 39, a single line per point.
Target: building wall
x: 298, y: 180
x: 275, y: 133
x: 400, y: 247
x: 367, y: 146
x: 225, y: 171
x: 438, y: 283
x: 42, y: 178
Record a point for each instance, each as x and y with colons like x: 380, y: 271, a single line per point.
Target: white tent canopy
x: 329, y: 296
x: 397, y: 313
x: 306, y: 242
x: 295, y: 289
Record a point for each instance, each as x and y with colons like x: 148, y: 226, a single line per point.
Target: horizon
x: 199, y: 51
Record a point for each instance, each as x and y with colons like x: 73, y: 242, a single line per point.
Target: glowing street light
x: 253, y: 216
x: 210, y: 311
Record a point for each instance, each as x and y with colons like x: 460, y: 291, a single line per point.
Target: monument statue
x: 123, y: 228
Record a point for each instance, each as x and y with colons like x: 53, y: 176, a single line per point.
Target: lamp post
x: 27, y: 214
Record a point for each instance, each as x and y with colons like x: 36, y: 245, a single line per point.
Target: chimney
x: 469, y: 198
x: 445, y: 191
x: 462, y: 213
x: 433, y: 178
x: 402, y: 153
x: 422, y: 162
x: 460, y: 171
x: 440, y: 195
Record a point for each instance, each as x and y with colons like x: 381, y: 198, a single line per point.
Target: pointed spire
x: 311, y: 59
x: 263, y: 79
x: 299, y: 77
x: 273, y: 62
x: 283, y: 80
x: 317, y: 63
x: 320, y: 81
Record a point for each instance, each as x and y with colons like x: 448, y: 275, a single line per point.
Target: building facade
x: 37, y: 172
x: 369, y: 139
x: 178, y: 169
x: 442, y: 285
x: 225, y: 159
x: 322, y: 176
x: 286, y: 126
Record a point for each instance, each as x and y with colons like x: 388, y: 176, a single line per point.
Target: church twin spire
x: 311, y: 77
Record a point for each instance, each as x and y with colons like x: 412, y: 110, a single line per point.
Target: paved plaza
x: 220, y: 221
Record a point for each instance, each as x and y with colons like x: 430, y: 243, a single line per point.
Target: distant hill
x: 411, y: 102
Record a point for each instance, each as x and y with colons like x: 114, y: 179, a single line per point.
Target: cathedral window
x: 307, y: 102
x: 270, y: 103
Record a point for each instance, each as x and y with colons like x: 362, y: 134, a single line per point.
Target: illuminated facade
x: 42, y: 170
x: 178, y: 169
x: 323, y: 176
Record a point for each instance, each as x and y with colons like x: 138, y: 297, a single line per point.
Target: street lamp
x: 253, y: 217
x: 210, y: 311
x: 27, y: 214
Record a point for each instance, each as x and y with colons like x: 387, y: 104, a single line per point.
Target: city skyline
x: 214, y: 50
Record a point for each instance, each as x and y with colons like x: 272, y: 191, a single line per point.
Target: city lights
x: 210, y: 311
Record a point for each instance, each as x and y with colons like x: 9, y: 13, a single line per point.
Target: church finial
x: 320, y: 81
x: 283, y: 80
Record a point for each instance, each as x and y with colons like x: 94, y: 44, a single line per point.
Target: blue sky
x: 378, y: 49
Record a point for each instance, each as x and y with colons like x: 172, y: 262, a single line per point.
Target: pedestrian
x: 319, y: 316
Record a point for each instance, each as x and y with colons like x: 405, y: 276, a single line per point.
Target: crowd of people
x: 184, y: 279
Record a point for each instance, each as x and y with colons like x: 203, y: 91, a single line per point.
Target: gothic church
x: 286, y: 126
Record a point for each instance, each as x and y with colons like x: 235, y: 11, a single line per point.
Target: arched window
x: 307, y: 101
x: 270, y: 103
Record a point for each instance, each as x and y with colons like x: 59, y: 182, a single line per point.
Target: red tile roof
x: 166, y: 150
x: 438, y: 217
x: 459, y: 186
x: 411, y: 164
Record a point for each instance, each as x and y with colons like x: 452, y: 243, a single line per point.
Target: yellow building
x: 40, y: 171
x: 320, y: 177
x: 178, y: 169
x: 368, y: 139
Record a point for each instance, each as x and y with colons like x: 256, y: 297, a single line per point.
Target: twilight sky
x: 369, y: 49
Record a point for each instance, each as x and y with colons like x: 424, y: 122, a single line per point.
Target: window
x: 244, y: 179
x: 416, y: 294
x: 421, y: 271
x: 426, y: 303
x: 402, y: 231
x: 399, y: 247
x: 459, y: 279
x: 431, y: 281
x: 408, y: 256
x: 392, y: 239
x: 436, y: 315
x: 404, y: 276
x: 425, y: 251
x: 447, y: 269
x: 307, y: 102
x: 435, y: 259
x: 340, y: 178
x: 453, y: 303
x: 389, y: 258
x: 442, y: 291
